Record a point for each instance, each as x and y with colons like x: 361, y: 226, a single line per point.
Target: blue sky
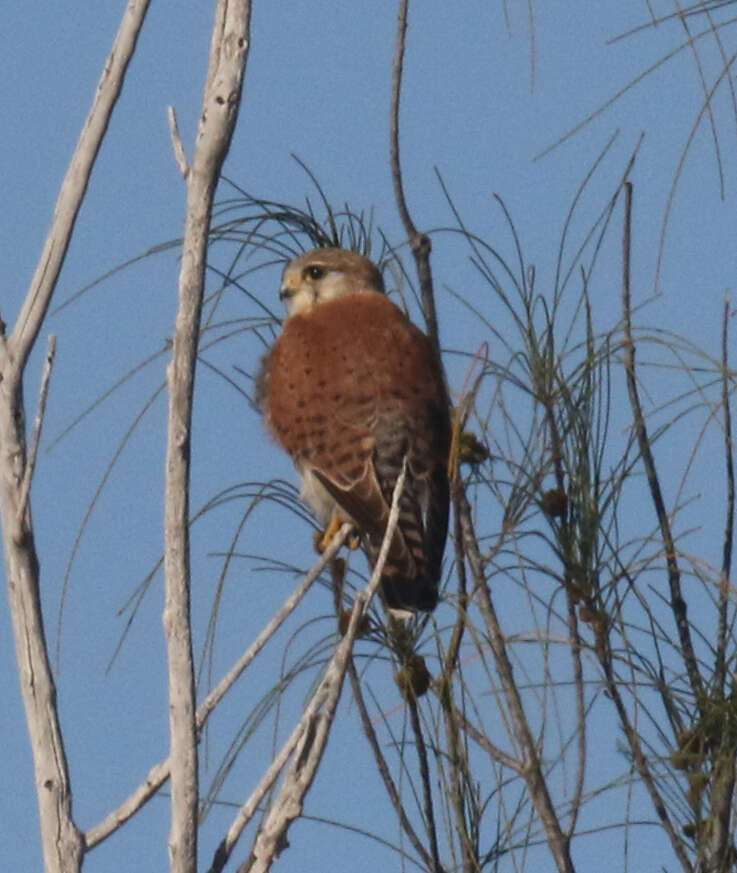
x: 480, y: 103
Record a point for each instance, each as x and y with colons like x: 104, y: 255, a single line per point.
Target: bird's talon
x: 317, y: 539
x: 324, y: 538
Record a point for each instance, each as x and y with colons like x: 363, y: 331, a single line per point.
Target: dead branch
x: 228, y: 55
x: 62, y: 842
x: 176, y: 142
x: 639, y: 758
x: 75, y: 182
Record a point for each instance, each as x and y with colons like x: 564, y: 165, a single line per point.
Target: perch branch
x: 308, y: 739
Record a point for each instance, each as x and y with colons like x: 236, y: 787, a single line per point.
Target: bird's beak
x: 288, y: 287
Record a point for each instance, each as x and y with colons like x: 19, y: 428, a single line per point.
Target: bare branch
x: 495, y: 754
x: 62, y: 842
x: 604, y: 654
x: 228, y: 55
x: 75, y: 183
x: 678, y: 604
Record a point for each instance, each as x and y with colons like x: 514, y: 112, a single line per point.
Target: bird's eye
x: 314, y: 272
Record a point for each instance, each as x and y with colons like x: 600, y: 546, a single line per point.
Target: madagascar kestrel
x: 349, y: 388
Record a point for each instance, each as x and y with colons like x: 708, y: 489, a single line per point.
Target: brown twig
x: 531, y: 765
x: 419, y: 242
x: 457, y: 758
x: 545, y: 395
x: 414, y: 719
x: 383, y: 768
x: 497, y: 755
x: 724, y: 587
x: 604, y: 655
x: 721, y: 798
x: 460, y: 778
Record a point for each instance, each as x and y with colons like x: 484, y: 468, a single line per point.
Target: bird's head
x: 326, y: 274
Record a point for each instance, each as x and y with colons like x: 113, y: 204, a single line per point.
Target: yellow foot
x: 324, y: 538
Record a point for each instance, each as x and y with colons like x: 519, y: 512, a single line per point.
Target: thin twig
x: 383, y: 767
x: 724, y: 587
x: 25, y: 489
x: 458, y: 758
x: 497, y: 755
x: 604, y: 653
x: 678, y: 605
x: 721, y: 797
x: 677, y: 602
x: 531, y: 765
x: 176, y: 142
x: 419, y: 242
x: 545, y: 394
x: 414, y: 718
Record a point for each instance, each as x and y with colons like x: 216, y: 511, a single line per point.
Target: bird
x: 349, y: 389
